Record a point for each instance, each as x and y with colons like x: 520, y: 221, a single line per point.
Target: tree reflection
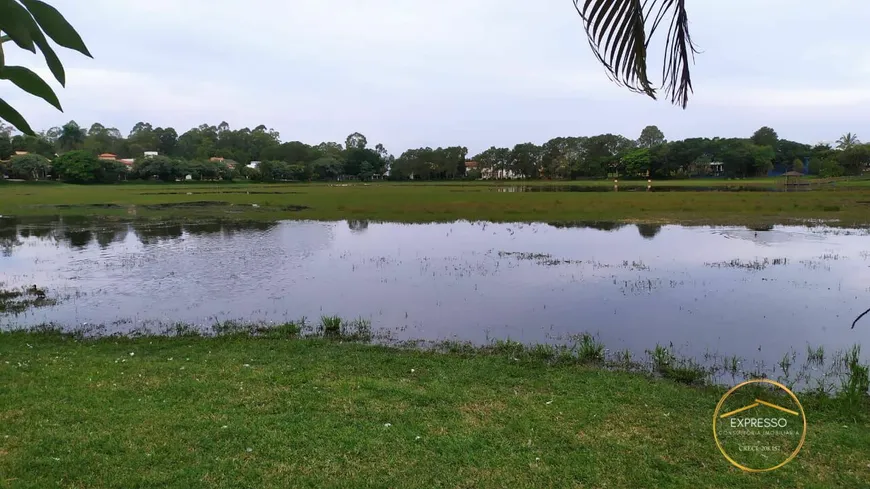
x: 357, y: 226
x: 649, y: 231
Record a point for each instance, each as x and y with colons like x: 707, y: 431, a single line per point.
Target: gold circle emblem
x: 756, y: 439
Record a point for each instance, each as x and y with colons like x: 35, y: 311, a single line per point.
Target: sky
x: 476, y: 73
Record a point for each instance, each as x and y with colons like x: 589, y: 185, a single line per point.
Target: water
x: 732, y: 291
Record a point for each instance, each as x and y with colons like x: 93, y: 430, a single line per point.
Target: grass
x: 264, y: 410
x: 844, y: 203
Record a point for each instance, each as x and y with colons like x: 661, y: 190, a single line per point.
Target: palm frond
x: 619, y: 32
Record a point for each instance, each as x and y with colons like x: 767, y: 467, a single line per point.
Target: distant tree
x: 29, y: 167
x: 525, y: 160
x: 847, y: 141
x: 78, y: 167
x: 831, y: 168
x: 326, y: 168
x: 33, y: 144
x: 797, y: 165
x: 167, y: 141
x: 328, y: 149
x: 357, y: 157
x: 765, y: 136
x: 162, y: 167
x: 355, y: 140
x: 650, y: 136
x: 636, y: 162
x: 854, y: 159
x: 5, y: 145
x: 71, y: 136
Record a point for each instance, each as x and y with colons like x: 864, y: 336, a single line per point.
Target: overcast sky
x: 477, y: 73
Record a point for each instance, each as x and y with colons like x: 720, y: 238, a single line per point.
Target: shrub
x: 78, y: 167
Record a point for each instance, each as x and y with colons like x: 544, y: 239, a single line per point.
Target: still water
x: 734, y: 291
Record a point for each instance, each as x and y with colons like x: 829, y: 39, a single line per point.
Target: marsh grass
x: 283, y: 406
x: 432, y: 202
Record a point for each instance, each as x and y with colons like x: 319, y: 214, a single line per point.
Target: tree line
x: 72, y: 153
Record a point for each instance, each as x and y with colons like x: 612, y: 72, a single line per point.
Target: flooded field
x: 756, y: 294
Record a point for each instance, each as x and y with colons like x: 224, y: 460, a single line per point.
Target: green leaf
x: 31, y: 83
x: 51, y: 58
x: 56, y: 26
x: 17, y: 23
x: 12, y: 116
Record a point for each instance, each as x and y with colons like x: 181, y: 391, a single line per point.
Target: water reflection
x: 78, y: 233
x: 738, y: 291
x: 357, y: 226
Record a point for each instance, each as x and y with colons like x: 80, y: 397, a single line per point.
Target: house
x: 151, y: 154
x: 21, y: 153
x: 717, y: 168
x: 254, y: 164
x: 108, y: 157
x: 471, y: 165
x: 216, y: 159
x: 500, y: 174
x: 128, y: 162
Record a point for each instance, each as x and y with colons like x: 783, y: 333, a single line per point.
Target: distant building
x: 128, y: 162
x: 717, y: 168
x: 216, y: 159
x: 471, y: 165
x: 21, y: 153
x: 151, y: 154
x: 108, y: 156
x: 501, y: 174
x: 254, y: 164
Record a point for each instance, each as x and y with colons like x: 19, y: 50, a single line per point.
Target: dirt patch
x: 187, y: 205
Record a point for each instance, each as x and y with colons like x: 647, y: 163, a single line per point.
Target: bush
x: 831, y: 168
x: 29, y: 167
x: 78, y: 167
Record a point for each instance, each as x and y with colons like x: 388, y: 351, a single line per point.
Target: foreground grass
x: 846, y: 206
x: 242, y: 412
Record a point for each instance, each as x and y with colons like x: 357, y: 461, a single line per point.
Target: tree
x: 71, y: 136
x: 29, y: 167
x: 630, y: 25
x: 326, y: 168
x: 5, y: 146
x: 162, y: 167
x: 357, y: 158
x: 847, y: 141
x: 167, y: 140
x: 765, y: 136
x: 355, y: 140
x: 78, y: 167
x: 830, y: 168
x: 27, y: 23
x: 854, y: 159
x: 797, y: 165
x: 525, y: 160
x: 650, y: 136
x: 637, y: 162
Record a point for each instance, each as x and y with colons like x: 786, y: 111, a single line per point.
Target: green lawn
x: 844, y: 203
x: 245, y: 412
